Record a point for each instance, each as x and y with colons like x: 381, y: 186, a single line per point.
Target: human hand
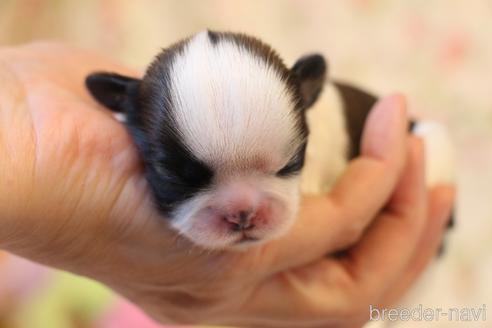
x: 72, y: 196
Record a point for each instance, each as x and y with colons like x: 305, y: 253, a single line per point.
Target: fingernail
x: 386, y: 128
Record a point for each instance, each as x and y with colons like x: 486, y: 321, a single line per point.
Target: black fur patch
x: 213, y: 37
x: 450, y: 225
x: 310, y: 73
x: 452, y: 221
x: 110, y: 89
x: 356, y: 105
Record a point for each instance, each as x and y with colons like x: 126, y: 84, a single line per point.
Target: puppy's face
x: 219, y: 123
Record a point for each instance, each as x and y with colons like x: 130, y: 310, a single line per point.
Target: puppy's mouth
x: 245, y: 239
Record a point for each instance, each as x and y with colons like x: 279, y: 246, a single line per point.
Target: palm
x: 81, y: 160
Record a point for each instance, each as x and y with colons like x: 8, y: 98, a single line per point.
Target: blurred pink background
x: 438, y: 52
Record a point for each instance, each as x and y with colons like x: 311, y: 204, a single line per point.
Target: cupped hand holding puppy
x: 72, y: 196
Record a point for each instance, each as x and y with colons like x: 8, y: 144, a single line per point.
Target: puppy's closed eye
x: 295, y: 164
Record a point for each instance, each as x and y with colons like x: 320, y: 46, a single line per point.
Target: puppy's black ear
x: 310, y: 72
x: 114, y: 91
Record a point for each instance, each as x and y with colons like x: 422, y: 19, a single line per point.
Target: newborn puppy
x: 222, y: 127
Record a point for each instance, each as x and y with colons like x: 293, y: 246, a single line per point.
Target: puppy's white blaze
x: 326, y: 153
x: 229, y: 105
x: 439, y: 152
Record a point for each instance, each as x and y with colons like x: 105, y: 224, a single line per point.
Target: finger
x: 384, y: 147
x: 383, y: 254
x: 440, y: 203
x: 411, y: 187
x: 322, y: 294
x: 327, y: 222
x: 58, y: 63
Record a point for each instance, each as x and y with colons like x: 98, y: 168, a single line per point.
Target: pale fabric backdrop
x: 438, y: 52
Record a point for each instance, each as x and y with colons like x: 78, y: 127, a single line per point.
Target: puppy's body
x: 224, y: 128
x: 336, y: 123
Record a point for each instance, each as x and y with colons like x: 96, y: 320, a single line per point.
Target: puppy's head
x: 219, y: 123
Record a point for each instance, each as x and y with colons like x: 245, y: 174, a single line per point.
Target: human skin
x: 72, y: 196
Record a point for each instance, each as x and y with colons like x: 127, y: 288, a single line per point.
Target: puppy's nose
x: 240, y: 220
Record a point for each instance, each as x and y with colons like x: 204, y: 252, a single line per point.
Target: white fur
x: 231, y: 106
x: 326, y: 154
x: 439, y: 152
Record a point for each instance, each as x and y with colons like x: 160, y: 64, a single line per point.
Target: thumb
x: 328, y: 222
